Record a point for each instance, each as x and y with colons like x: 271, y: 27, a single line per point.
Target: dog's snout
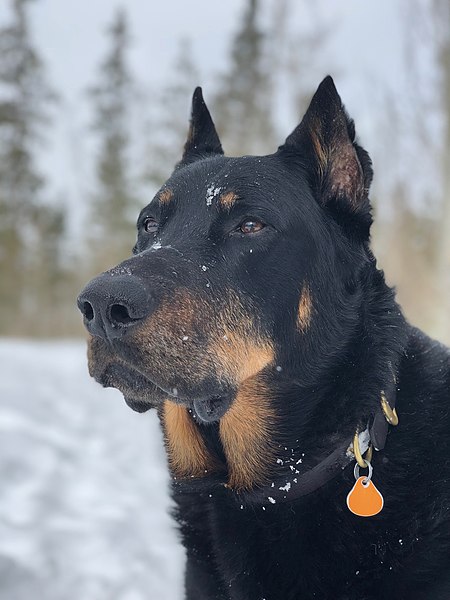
x: 112, y: 304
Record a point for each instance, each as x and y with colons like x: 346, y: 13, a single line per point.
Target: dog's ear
x: 340, y: 171
x: 202, y: 137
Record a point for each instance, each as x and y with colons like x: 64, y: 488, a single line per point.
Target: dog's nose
x: 112, y: 304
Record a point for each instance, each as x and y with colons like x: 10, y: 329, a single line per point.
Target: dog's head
x: 244, y: 276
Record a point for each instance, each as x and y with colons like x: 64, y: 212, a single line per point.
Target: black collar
x: 296, y: 485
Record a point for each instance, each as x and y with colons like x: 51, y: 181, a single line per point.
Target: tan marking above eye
x: 165, y: 196
x: 228, y: 199
x: 305, y: 309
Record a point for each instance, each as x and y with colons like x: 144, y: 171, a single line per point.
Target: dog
x: 306, y: 422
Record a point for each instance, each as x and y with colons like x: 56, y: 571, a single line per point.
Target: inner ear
x: 340, y: 171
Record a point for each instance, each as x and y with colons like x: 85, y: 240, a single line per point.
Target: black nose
x: 112, y: 304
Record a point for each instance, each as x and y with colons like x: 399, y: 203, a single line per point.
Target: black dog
x: 253, y: 317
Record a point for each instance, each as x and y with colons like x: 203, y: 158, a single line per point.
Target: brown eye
x: 150, y: 225
x: 251, y: 226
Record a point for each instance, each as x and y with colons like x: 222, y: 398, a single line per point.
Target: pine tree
x: 24, y: 218
x: 113, y: 207
x: 169, y: 125
x: 243, y: 104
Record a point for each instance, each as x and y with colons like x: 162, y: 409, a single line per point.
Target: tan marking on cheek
x: 245, y: 431
x: 165, y: 196
x: 188, y: 455
x: 239, y: 358
x: 305, y: 308
x: 179, y: 343
x: 240, y: 351
x: 227, y: 200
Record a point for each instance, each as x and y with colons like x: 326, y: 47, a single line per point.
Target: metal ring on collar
x: 389, y: 413
x: 357, y: 452
x: 368, y: 476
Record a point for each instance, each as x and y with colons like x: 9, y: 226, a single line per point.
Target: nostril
x: 120, y: 314
x: 88, y: 311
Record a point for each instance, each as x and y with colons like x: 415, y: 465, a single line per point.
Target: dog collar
x: 297, y: 485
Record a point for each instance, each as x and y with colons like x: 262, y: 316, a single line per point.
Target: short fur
x: 254, y: 318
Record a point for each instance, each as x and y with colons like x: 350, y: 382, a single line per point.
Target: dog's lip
x: 207, y: 409
x: 129, y: 374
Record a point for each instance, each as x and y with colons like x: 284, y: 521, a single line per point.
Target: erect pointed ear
x: 340, y: 171
x: 202, y: 137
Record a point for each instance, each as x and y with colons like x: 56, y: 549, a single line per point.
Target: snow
x: 286, y: 487
x: 84, y: 485
x: 211, y: 192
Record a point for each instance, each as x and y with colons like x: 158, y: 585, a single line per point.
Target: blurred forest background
x: 49, y: 246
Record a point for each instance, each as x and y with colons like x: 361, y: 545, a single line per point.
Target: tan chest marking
x: 245, y: 431
x: 188, y: 455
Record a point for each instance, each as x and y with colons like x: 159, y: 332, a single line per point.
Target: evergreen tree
x: 243, y: 105
x: 168, y: 127
x: 24, y: 218
x: 113, y: 206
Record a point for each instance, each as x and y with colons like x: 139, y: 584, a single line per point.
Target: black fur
x: 324, y: 381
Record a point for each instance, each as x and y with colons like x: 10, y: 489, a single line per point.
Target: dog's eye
x: 251, y: 226
x: 150, y: 225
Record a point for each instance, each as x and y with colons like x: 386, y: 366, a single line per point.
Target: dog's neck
x: 370, y: 373
x: 294, y: 482
x: 318, y: 449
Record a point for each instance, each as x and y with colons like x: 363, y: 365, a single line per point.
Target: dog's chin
x: 212, y: 409
x: 137, y: 405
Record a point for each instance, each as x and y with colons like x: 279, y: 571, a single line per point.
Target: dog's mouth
x: 200, y: 364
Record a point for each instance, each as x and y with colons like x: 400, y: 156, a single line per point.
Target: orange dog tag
x: 364, y: 500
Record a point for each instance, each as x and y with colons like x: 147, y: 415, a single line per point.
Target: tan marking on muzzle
x: 305, y: 308
x: 227, y: 200
x: 188, y: 455
x: 170, y: 341
x: 99, y: 356
x: 179, y: 340
x: 246, y: 430
x: 165, y: 196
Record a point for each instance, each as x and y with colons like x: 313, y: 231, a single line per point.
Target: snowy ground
x: 83, y: 485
